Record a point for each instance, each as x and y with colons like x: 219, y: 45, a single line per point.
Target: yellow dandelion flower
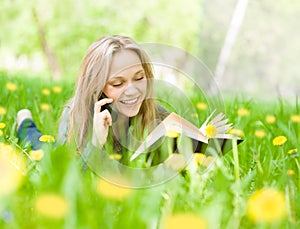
x: 207, y: 161
x: 113, y: 191
x: 11, y: 86
x: 211, y: 131
x: 270, y: 119
x: 266, y: 205
x: 176, y: 161
x: 115, y: 156
x: 2, y: 111
x: 290, y: 172
x: 12, y: 169
x: 2, y: 125
x: 295, y: 118
x: 280, y: 140
x: 184, y: 220
x: 171, y: 133
x: 243, y: 112
x: 45, y: 107
x: 47, y: 138
x: 46, y: 91
x: 51, y: 205
x: 36, y: 155
x: 198, y: 158
x: 202, y: 106
x: 57, y: 89
x: 203, y: 160
x: 236, y: 132
x: 260, y: 133
x: 291, y: 151
x: 6, y: 149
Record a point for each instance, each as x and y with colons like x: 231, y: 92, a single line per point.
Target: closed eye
x: 140, y: 76
x: 117, y: 84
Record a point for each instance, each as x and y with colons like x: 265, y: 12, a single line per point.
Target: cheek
x: 142, y: 86
x: 112, y: 92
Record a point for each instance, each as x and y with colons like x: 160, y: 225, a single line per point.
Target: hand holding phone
x: 104, y: 115
x: 112, y: 110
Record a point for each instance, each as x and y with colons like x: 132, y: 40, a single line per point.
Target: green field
x: 254, y: 186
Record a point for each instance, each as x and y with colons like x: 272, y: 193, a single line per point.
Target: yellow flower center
x: 211, y: 131
x: 171, y: 133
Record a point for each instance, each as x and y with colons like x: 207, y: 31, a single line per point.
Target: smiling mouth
x: 130, y: 101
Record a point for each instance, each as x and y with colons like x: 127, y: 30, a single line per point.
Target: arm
x: 63, y: 127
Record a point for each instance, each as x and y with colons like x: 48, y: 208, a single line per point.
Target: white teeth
x: 132, y: 101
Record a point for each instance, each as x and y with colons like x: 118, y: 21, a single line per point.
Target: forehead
x: 123, y: 61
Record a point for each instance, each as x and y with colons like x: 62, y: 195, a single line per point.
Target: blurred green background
x: 253, y: 186
x: 49, y: 38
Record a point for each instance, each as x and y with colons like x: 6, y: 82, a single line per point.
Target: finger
x: 110, y: 121
x: 100, y: 103
x: 107, y: 118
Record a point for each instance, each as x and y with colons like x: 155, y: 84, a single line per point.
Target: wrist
x: 96, y: 143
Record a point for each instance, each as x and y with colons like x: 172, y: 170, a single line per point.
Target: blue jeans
x: 28, y: 133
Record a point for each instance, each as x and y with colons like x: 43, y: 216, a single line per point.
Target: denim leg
x: 29, y: 133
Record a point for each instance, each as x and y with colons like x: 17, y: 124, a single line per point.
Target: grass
x: 219, y: 198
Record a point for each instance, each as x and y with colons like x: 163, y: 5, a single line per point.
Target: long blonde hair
x: 92, y: 78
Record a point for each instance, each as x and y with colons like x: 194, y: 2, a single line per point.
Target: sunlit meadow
x: 255, y: 185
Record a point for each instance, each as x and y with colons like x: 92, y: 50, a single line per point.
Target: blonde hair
x: 92, y: 78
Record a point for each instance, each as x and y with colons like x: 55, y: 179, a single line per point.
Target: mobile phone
x: 112, y: 110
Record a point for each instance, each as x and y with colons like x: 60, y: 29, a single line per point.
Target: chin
x: 130, y: 111
x: 132, y: 114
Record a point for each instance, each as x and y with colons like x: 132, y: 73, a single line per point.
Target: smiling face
x: 127, y: 83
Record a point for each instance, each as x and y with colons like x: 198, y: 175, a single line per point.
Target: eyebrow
x: 121, y: 77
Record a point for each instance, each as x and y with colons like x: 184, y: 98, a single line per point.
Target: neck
x: 120, y: 126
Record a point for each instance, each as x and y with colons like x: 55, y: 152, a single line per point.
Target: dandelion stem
x: 256, y: 158
x: 236, y: 160
x: 236, y: 188
x: 298, y: 167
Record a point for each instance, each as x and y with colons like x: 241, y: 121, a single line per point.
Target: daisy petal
x: 218, y: 118
x: 221, y: 123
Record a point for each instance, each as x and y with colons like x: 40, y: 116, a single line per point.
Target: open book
x: 216, y: 128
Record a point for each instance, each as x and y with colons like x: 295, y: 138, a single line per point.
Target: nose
x: 131, y: 89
